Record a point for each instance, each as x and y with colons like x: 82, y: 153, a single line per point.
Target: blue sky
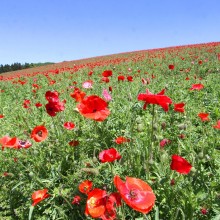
x: 58, y: 30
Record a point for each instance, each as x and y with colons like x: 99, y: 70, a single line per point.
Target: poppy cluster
x: 54, y: 105
x: 78, y: 95
x: 99, y: 203
x: 15, y: 143
x: 158, y: 99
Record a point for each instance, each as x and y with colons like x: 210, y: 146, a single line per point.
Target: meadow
x: 126, y: 136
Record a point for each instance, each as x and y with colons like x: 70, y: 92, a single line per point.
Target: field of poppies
x: 133, y: 136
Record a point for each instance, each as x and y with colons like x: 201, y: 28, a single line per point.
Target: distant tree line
x: 19, y: 66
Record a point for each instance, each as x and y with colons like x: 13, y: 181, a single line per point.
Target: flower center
x: 133, y: 194
x: 40, y: 133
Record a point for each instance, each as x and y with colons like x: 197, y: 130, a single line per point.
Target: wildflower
x: 171, y: 67
x: 197, y: 87
x: 180, y: 165
x: 109, y: 155
x: 39, y: 195
x: 106, y: 95
x: 78, y: 95
x: 87, y: 84
x: 76, y: 200
x: 217, y: 126
x: 85, y: 187
x: 121, y: 140
x: 121, y: 78
x: 204, y: 116
x: 164, y: 142
x: 159, y: 99
x: 95, y: 204
x: 130, y: 78
x: 179, y: 107
x: 107, y: 73
x: 39, y: 133
x: 74, y: 143
x: 69, y: 125
x: 136, y: 193
x: 93, y: 107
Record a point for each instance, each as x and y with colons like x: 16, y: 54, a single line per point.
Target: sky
x: 35, y: 31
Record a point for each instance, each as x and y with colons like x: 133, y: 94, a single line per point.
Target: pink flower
x: 69, y: 125
x: 87, y: 84
x: 106, y: 95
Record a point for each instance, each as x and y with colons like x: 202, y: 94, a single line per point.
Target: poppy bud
x: 163, y: 125
x: 201, y: 155
x: 91, y: 171
x: 140, y: 127
x: 182, y: 126
x: 138, y: 120
x: 31, y: 174
x: 94, y: 160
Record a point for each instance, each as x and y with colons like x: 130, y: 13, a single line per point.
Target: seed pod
x: 91, y: 171
x: 94, y: 160
x: 182, y: 126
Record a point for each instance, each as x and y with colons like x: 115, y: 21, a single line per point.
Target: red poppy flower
x: 109, y: 155
x: 39, y: 133
x: 52, y: 96
x: 217, y: 126
x: 76, y: 200
x: 94, y: 107
x: 200, y: 62
x: 159, y: 99
x: 136, y: 193
x: 85, y: 187
x: 105, y: 79
x: 179, y: 107
x: 74, y: 143
x: 69, y: 125
x: 78, y: 95
x: 95, y: 204
x: 130, y: 78
x: 204, y: 116
x: 38, y: 104
x: 39, y: 195
x: 197, y: 87
x: 26, y: 103
x: 121, y: 140
x: 171, y: 67
x: 1, y: 116
x: 180, y: 164
x: 53, y: 107
x: 9, y: 142
x: 164, y: 142
x: 204, y: 211
x: 107, y: 73
x: 110, y: 202
x: 121, y: 78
